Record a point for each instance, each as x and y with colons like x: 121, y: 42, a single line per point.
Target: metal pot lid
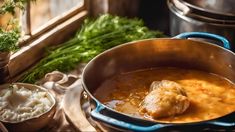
x: 181, y: 9
x: 217, y: 9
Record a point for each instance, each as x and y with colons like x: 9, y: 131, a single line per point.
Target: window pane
x: 44, y: 10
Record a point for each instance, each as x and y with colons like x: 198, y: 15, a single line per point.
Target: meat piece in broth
x: 166, y: 98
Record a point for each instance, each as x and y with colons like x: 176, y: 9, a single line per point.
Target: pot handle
x: 221, y: 124
x: 206, y: 36
x: 97, y: 115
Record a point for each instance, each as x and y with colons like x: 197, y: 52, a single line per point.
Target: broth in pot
x: 194, y: 96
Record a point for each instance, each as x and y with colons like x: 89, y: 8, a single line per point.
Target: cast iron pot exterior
x: 150, y: 53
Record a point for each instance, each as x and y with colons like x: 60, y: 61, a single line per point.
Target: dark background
x: 155, y: 14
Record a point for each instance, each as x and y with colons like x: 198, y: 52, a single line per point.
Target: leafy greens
x: 9, y: 40
x: 95, y: 36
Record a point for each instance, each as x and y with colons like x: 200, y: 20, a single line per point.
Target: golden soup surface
x: 210, y: 96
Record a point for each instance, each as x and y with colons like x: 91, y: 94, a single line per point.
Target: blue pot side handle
x: 95, y: 114
x: 206, y: 36
x: 221, y: 124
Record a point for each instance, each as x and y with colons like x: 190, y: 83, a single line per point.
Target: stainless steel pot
x: 221, y: 8
x: 186, y: 16
x: 152, y: 53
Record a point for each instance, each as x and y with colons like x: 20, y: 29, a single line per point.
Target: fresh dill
x: 94, y: 37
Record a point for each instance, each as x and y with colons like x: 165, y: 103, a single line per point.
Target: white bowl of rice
x: 25, y: 107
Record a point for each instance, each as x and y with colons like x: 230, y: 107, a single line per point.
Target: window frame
x: 30, y: 35
x: 33, y: 44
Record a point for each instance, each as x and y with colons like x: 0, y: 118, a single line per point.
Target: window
x: 46, y: 23
x: 43, y: 15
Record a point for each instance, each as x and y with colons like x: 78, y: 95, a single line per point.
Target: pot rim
x: 133, y: 43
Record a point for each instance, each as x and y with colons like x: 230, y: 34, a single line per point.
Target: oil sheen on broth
x: 210, y: 96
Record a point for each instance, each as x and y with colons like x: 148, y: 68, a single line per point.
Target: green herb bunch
x: 9, y: 6
x: 9, y: 39
x: 95, y: 36
x: 9, y: 36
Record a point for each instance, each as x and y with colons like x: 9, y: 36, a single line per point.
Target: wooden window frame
x: 33, y: 44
